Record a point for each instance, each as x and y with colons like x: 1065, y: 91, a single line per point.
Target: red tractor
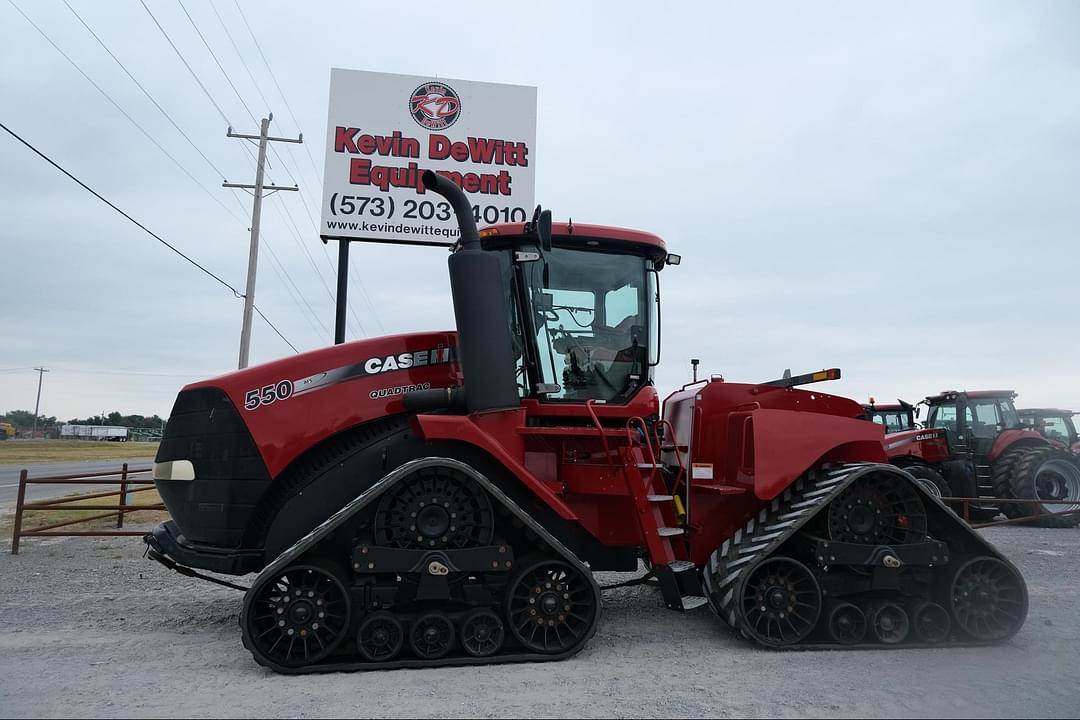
x: 445, y: 497
x: 1054, y: 425
x: 974, y: 445
x: 895, y: 417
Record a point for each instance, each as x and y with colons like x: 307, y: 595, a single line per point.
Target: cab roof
x: 1046, y: 411
x: 567, y: 232
x: 885, y: 407
x: 947, y: 395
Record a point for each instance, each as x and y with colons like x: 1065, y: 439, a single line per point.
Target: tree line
x: 24, y: 420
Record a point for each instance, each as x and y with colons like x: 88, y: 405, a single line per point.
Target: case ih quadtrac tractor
x: 444, y: 497
x: 1053, y: 424
x: 974, y: 445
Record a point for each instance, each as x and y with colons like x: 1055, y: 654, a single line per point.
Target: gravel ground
x: 91, y: 629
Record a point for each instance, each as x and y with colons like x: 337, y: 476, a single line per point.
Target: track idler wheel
x: 297, y: 617
x: 551, y: 607
x: 380, y: 637
x: 780, y: 602
x: 482, y: 633
x: 889, y: 623
x: 988, y: 599
x: 847, y: 624
x: 431, y: 636
x: 930, y: 622
x: 880, y: 509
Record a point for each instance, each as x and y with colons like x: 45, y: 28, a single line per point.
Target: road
x: 9, y: 478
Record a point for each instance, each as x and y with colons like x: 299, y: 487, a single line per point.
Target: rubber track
x: 309, y: 541
x: 782, y: 518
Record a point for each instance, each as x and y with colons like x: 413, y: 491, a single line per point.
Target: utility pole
x: 37, y: 406
x: 256, y: 212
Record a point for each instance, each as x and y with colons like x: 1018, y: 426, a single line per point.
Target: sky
x: 888, y: 188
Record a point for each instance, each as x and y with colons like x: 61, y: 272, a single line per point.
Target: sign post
x: 383, y: 132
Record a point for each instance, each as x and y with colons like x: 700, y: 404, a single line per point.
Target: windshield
x: 893, y: 420
x: 591, y: 319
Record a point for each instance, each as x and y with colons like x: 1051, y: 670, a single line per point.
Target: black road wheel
x: 431, y: 636
x: 889, y: 623
x: 434, y: 508
x: 779, y: 602
x: 988, y: 599
x: 299, y: 616
x: 880, y: 509
x: 847, y: 624
x: 482, y: 633
x: 930, y: 479
x: 380, y: 637
x: 930, y: 622
x: 551, y: 607
x: 1048, y: 474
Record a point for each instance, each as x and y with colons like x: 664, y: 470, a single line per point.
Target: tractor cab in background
x: 1053, y: 424
x: 896, y: 417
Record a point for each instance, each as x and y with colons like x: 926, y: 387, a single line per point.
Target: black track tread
x: 314, y: 463
x: 1001, y: 474
x: 719, y: 577
x: 307, y: 544
x: 1022, y: 482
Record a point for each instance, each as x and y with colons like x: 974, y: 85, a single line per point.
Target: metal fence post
x: 19, y: 513
x: 123, y: 497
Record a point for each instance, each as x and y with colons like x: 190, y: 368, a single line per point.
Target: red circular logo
x: 435, y: 106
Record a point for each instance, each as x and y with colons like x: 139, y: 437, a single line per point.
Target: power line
x: 240, y: 55
x: 138, y: 224
x: 120, y: 109
x: 144, y: 90
x: 213, y: 55
x: 184, y: 60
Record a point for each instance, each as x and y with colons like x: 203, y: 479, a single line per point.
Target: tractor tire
x: 1001, y: 476
x: 930, y: 479
x: 1046, y: 473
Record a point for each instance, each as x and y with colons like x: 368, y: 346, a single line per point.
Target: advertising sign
x: 385, y: 130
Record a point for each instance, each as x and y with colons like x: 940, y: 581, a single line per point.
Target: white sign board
x: 385, y: 130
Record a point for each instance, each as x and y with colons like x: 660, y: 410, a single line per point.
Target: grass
x: 40, y: 518
x: 15, y: 452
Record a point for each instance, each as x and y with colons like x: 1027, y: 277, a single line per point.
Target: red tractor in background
x: 1053, y: 424
x: 895, y: 417
x: 974, y: 445
x: 445, y: 497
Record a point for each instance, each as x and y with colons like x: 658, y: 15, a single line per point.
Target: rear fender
x: 1011, y: 439
x: 787, y: 443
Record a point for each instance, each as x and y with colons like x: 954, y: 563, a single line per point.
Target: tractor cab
x: 1053, y: 424
x: 895, y: 417
x: 584, y: 309
x: 972, y: 421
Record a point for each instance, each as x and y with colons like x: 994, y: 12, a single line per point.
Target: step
x: 659, y: 498
x: 692, y: 602
x: 649, y: 466
x: 679, y: 566
x: 670, y: 532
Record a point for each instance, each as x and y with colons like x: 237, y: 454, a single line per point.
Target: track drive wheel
x: 551, y: 607
x: 988, y: 599
x: 779, y: 602
x: 298, y: 616
x: 435, y: 508
x: 880, y: 509
x: 1046, y: 473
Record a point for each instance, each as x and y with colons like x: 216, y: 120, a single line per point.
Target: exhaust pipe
x: 481, y: 311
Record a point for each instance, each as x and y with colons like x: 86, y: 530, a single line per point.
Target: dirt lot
x: 91, y: 629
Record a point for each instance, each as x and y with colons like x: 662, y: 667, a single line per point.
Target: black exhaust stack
x: 485, y: 348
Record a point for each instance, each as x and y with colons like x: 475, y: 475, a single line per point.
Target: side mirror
x: 543, y: 230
